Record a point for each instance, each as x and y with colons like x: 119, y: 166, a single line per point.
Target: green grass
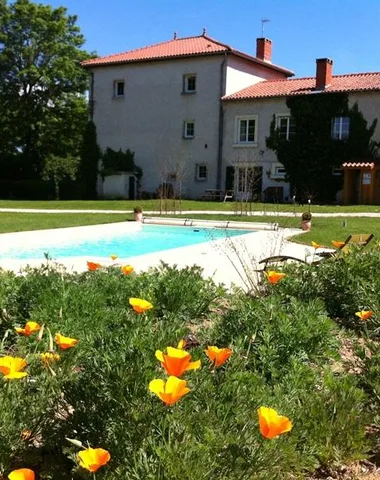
x: 20, y: 222
x: 127, y: 205
x: 324, y: 229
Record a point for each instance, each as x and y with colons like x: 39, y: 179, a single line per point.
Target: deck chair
x: 228, y: 195
x: 361, y: 240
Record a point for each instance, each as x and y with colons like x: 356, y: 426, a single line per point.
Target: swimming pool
x: 147, y: 239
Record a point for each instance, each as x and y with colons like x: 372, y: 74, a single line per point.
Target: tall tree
x: 90, y: 156
x: 42, y: 84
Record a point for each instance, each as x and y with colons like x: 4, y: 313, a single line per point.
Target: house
x: 197, y: 114
x: 264, y: 101
x: 164, y: 103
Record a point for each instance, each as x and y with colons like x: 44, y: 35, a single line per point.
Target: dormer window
x: 189, y: 83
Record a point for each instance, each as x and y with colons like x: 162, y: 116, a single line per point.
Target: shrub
x: 97, y: 393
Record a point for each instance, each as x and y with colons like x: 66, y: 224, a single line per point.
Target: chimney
x: 264, y: 49
x: 324, y: 73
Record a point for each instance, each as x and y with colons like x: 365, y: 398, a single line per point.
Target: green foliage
x: 90, y: 156
x: 99, y: 395
x: 345, y: 284
x: 58, y: 168
x: 118, y: 161
x: 311, y: 154
x: 42, y: 85
x: 275, y: 333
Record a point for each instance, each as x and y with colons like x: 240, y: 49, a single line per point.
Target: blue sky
x: 347, y: 31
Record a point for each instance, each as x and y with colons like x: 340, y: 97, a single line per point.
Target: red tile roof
x: 355, y: 82
x: 370, y: 165
x: 179, y: 47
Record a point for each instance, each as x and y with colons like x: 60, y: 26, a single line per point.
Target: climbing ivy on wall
x: 311, y: 154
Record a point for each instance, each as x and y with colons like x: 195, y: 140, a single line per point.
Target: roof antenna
x: 263, y: 21
x: 175, y: 36
x: 204, y: 31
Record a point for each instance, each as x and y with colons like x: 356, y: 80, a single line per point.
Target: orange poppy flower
x: 26, y: 434
x: 337, y: 244
x: 65, y: 342
x: 170, y: 391
x: 271, y: 423
x: 127, y: 269
x: 49, y: 357
x: 139, y: 305
x: 12, y: 367
x: 114, y: 257
x: 93, y: 266
x: 364, y: 314
x: 22, y: 474
x: 218, y: 356
x: 177, y: 361
x: 30, y: 327
x: 93, y: 458
x: 274, y: 277
x: 315, y: 245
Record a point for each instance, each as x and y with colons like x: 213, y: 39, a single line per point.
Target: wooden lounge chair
x: 360, y: 240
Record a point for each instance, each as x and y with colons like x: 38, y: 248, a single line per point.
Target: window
x: 201, y: 172
x: 340, y: 128
x: 246, y: 130
x: 188, y: 130
x: 278, y: 171
x: 189, y: 83
x: 285, y: 126
x: 119, y: 88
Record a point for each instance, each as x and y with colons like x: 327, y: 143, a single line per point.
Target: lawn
x: 169, y: 205
x: 20, y: 222
x: 324, y: 229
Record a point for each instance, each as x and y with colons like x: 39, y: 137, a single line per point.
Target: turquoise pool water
x: 151, y: 238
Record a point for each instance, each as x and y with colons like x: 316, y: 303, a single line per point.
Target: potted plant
x: 306, y: 221
x: 138, y: 213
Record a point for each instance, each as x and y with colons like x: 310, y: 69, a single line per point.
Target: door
x: 248, y: 185
x: 131, y: 188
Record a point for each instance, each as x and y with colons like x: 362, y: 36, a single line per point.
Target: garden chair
x: 360, y: 240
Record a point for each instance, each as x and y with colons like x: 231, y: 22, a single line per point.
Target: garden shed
x: 361, y: 182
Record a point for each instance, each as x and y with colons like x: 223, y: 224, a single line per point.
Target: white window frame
x: 288, y: 117
x: 116, y: 84
x: 238, y: 123
x: 186, y: 129
x: 340, y: 128
x: 186, y: 81
x: 278, y: 171
x: 198, y: 177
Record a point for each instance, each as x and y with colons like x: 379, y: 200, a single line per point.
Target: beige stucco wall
x: 257, y: 154
x: 242, y: 74
x: 369, y: 105
x: 149, y: 118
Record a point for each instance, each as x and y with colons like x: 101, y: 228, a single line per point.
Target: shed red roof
x: 178, y: 47
x: 370, y: 165
x: 354, y: 82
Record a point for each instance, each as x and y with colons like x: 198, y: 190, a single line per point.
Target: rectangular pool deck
x: 221, y: 259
